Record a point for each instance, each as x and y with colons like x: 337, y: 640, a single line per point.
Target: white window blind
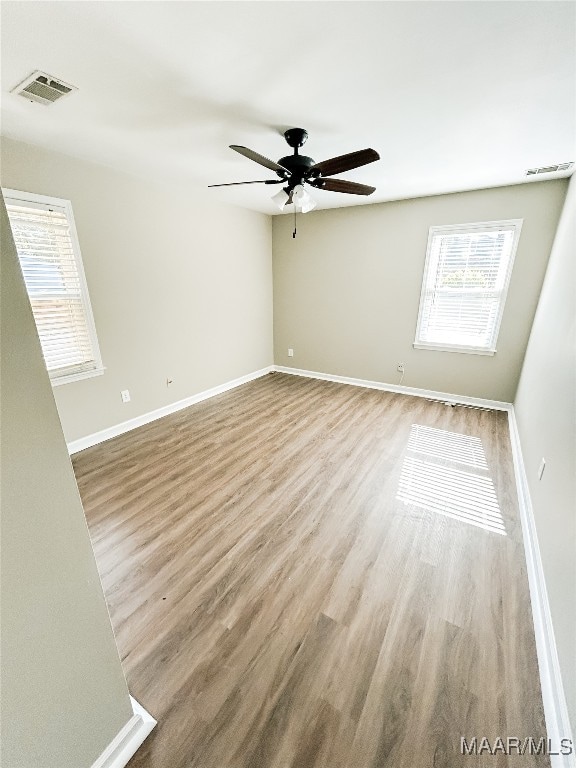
x: 464, y: 288
x: 49, y: 254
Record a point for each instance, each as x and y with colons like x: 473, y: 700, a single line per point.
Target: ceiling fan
x: 296, y: 170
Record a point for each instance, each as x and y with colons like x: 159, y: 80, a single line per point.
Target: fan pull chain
x: 294, y: 233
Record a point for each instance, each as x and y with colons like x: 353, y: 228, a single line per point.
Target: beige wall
x: 347, y: 289
x: 545, y: 408
x: 64, y: 697
x: 181, y: 288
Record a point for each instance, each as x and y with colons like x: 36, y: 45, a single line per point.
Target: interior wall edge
x: 64, y: 692
x: 553, y: 696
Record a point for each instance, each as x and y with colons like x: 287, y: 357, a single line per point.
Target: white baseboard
x: 427, y: 393
x: 126, y: 426
x: 127, y: 740
x: 554, y: 700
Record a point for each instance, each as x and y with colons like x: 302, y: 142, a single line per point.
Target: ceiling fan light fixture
x: 302, y: 199
x: 280, y: 199
x: 308, y: 205
x: 299, y: 193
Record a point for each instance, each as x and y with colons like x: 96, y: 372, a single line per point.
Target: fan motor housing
x: 298, y: 165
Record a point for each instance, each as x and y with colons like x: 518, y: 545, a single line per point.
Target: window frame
x: 469, y: 228
x: 17, y: 197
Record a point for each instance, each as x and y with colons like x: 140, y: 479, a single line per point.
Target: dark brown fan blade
x: 340, y: 185
x: 235, y: 183
x: 346, y: 162
x: 251, y: 155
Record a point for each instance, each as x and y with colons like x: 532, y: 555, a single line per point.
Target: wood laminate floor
x: 305, y: 574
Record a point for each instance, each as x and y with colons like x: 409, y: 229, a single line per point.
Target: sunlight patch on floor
x: 462, y: 449
x: 447, y: 473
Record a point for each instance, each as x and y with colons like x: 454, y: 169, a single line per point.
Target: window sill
x: 463, y: 350
x: 77, y: 376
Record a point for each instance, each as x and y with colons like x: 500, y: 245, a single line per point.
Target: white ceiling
x: 453, y: 95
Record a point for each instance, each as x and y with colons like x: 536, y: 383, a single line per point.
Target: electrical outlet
x: 400, y: 367
x: 125, y: 394
x: 290, y: 353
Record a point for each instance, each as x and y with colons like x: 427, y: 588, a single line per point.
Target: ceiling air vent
x: 43, y: 88
x: 549, y: 169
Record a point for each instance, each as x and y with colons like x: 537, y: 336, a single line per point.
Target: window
x: 466, y: 278
x: 47, y: 245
